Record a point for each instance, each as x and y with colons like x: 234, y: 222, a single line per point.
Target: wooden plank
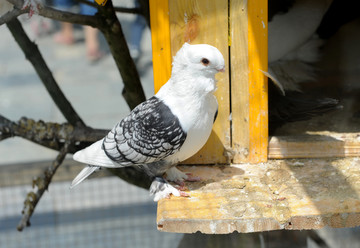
x: 248, y: 31
x: 239, y: 80
x: 202, y: 21
x: 280, y: 194
x: 160, y: 40
x: 315, y: 146
x: 258, y: 100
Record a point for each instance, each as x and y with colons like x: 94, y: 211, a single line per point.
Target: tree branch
x: 59, y: 136
x: 133, y: 176
x: 54, y: 135
x: 50, y: 135
x: 108, y: 23
x: 128, y: 10
x: 65, y: 16
x: 145, y: 11
x: 111, y: 28
x: 11, y: 15
x: 41, y: 183
x: 117, y: 9
x: 33, y: 54
x: 58, y: 15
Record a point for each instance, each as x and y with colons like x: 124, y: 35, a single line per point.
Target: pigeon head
x: 198, y: 60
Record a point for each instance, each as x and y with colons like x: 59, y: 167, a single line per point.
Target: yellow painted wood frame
x: 248, y: 49
x: 239, y: 30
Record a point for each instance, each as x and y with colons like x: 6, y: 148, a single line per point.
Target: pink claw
x: 184, y: 194
x: 181, y: 187
x: 180, y: 183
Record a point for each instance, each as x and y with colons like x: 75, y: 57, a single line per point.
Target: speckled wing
x: 151, y: 132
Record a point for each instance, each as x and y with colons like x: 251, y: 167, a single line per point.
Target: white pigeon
x: 166, y: 129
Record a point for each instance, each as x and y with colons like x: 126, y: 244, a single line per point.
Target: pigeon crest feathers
x: 193, y: 70
x: 201, y: 59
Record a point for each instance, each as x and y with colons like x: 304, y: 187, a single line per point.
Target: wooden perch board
x: 317, y: 145
x: 280, y: 194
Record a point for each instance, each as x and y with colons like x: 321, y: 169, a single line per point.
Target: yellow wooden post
x: 160, y: 37
x: 258, y: 100
x: 239, y: 80
x: 248, y: 33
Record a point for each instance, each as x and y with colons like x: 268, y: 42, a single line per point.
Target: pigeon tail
x: 95, y: 155
x: 87, y: 171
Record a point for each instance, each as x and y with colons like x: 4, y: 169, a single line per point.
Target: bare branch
x: 108, y: 23
x: 41, y: 183
x: 11, y: 15
x: 128, y: 10
x: 54, y: 135
x: 133, y: 176
x: 145, y: 11
x: 50, y: 135
x: 117, y: 9
x: 65, y: 16
x: 33, y: 54
x: 6, y: 130
x: 58, y: 15
x: 111, y: 28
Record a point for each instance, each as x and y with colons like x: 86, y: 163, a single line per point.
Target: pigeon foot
x: 160, y: 189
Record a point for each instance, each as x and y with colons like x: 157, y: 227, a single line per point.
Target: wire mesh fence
x: 101, y: 212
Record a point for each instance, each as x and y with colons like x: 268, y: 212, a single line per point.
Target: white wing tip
x: 77, y: 156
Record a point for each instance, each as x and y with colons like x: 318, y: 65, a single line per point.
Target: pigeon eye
x: 205, y: 61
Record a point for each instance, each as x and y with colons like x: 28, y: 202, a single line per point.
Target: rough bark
x: 111, y: 28
x: 40, y: 185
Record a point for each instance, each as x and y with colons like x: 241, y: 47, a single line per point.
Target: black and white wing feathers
x: 151, y: 132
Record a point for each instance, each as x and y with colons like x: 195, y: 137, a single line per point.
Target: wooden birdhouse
x: 243, y: 187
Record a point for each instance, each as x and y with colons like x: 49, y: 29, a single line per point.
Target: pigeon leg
x: 177, y: 176
x: 161, y: 188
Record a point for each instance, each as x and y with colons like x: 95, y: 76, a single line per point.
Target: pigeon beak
x: 222, y: 69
